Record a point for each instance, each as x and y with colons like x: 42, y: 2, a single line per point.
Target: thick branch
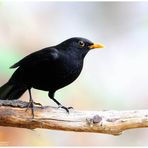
x: 12, y: 113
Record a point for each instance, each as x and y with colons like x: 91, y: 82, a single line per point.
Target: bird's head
x: 78, y: 45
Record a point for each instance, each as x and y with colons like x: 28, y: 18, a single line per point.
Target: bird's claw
x: 39, y: 104
x: 66, y: 108
x: 30, y: 105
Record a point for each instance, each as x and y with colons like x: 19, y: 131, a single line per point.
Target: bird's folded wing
x: 50, y: 54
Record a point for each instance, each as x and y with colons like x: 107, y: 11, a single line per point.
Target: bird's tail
x: 11, y: 91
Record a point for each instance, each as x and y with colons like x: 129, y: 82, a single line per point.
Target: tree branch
x: 12, y: 113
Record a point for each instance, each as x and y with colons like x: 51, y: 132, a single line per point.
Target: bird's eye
x: 81, y: 44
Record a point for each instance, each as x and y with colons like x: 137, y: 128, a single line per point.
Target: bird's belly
x: 54, y: 79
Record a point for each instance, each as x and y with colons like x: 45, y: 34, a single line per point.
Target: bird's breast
x: 67, y: 72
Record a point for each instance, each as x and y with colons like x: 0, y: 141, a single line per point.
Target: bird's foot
x: 66, y: 108
x: 30, y: 105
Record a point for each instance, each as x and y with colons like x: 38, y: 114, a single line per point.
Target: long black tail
x: 11, y: 91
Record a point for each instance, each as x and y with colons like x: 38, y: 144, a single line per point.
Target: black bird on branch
x: 48, y: 69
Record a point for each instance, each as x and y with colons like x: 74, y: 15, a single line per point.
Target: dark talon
x: 30, y: 105
x: 70, y: 107
x: 66, y: 108
x: 39, y: 104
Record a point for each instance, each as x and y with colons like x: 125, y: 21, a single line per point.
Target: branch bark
x: 13, y: 114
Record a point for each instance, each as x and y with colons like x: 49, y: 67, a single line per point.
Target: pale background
x: 115, y: 77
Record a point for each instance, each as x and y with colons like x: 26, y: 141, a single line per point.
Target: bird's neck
x: 77, y: 55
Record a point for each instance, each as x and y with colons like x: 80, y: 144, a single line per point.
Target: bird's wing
x: 50, y: 54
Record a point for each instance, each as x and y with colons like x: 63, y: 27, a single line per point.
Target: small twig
x: 12, y: 113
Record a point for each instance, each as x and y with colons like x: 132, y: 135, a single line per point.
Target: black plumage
x: 48, y: 69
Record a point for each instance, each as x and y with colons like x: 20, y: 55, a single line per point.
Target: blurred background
x: 115, y: 77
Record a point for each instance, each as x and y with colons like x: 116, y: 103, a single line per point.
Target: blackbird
x: 48, y: 69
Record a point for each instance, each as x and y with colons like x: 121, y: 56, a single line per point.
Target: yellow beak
x: 96, y: 46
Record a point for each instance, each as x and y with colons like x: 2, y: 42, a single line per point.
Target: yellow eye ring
x: 81, y: 44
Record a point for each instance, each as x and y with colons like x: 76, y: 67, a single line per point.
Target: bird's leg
x: 51, y: 96
x: 30, y: 105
